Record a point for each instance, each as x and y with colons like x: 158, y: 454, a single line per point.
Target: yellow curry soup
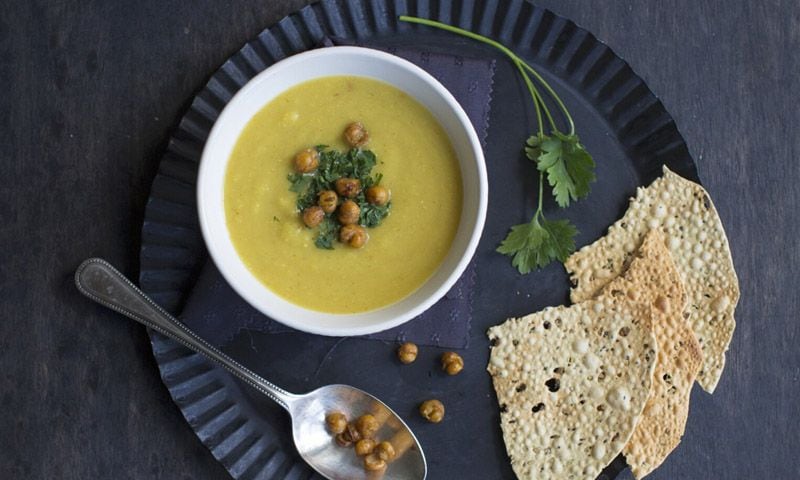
x: 418, y: 165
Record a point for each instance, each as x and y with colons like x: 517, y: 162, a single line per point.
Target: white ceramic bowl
x: 274, y: 81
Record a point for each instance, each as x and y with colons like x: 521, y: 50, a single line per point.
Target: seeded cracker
x: 683, y: 211
x: 572, y: 381
x: 678, y: 361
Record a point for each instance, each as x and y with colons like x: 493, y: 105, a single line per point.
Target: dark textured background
x: 91, y: 89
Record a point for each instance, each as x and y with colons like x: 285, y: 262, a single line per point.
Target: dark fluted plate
x: 620, y: 121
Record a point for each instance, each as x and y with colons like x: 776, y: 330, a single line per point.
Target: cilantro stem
x: 540, y: 210
x: 537, y: 99
x: 518, y: 61
x: 552, y: 94
x: 547, y: 112
x: 461, y: 31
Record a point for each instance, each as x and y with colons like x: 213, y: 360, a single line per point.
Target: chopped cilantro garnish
x: 356, y: 163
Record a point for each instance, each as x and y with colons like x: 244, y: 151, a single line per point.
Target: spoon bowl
x: 101, y: 282
x: 318, y: 448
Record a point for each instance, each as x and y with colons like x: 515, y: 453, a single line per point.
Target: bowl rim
x: 210, y: 237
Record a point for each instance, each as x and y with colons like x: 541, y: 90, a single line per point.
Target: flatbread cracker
x: 663, y: 420
x: 572, y: 382
x: 683, y: 211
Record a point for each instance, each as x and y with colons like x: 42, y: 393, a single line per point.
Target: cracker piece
x: 683, y: 211
x: 572, y: 382
x: 679, y: 358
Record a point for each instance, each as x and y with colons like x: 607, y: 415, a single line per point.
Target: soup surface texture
x: 418, y: 165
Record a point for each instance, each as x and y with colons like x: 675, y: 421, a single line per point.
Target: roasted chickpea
x: 343, y: 440
x: 385, y: 451
x: 359, y: 239
x: 365, y: 446
x: 432, y: 410
x: 367, y: 425
x: 349, y: 212
x: 378, y: 195
x: 452, y: 363
x: 348, y: 187
x: 356, y: 135
x: 336, y: 422
x: 353, y: 235
x: 312, y: 216
x: 328, y: 200
x: 373, y: 463
x: 407, y: 353
x: 306, y: 161
x: 351, y: 433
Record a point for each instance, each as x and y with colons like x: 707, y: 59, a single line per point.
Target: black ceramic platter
x: 622, y: 124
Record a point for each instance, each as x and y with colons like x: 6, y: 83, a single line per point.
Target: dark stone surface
x: 91, y: 90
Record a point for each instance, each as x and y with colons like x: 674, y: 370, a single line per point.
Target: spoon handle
x: 101, y: 282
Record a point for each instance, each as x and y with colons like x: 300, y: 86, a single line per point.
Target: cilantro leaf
x: 569, y: 167
x: 299, y: 182
x: 560, y: 242
x: 516, y: 245
x: 533, y: 147
x: 361, y: 162
x: 534, y: 245
x: 328, y: 231
x: 372, y: 215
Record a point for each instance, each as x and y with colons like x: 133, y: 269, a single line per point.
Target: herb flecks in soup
x: 414, y: 153
x: 337, y: 193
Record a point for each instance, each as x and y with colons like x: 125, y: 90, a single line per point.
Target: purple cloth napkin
x: 218, y: 314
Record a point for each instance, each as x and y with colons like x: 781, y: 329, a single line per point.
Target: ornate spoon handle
x: 104, y: 284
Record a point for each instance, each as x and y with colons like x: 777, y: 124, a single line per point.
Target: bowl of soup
x: 425, y: 152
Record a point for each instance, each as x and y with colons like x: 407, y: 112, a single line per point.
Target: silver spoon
x: 101, y: 282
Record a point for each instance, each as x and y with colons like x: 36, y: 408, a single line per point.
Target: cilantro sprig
x: 559, y: 156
